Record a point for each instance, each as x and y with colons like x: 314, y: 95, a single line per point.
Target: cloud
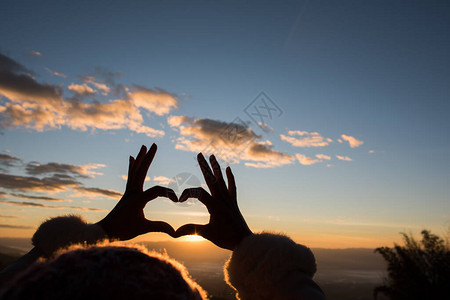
x: 85, y: 171
x: 353, y: 142
x: 7, y: 161
x: 345, y: 158
x: 266, y: 128
x: 371, y: 151
x: 266, y: 156
x: 305, y: 139
x: 81, y: 89
x: 17, y: 84
x: 304, y: 160
x: 125, y: 177
x: 36, y: 53
x: 115, y: 114
x: 90, y: 192
x: 323, y: 157
x: 163, y: 180
x: 42, y: 106
x: 15, y: 226
x: 159, y: 101
x: 101, y: 86
x: 53, y: 178
x: 232, y: 142
x: 176, y: 121
x: 105, y: 80
x: 40, y: 205
x: 8, y: 217
x: 26, y: 204
x: 54, y: 73
x: 28, y: 183
x: 41, y: 198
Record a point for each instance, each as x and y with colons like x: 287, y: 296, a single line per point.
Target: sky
x: 332, y: 115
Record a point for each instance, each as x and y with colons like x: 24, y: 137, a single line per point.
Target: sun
x: 193, y: 238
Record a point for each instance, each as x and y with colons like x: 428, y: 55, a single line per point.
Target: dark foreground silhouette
x: 261, y: 266
x: 417, y: 270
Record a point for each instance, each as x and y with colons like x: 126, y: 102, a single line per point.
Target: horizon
x: 332, y: 116
x: 166, y: 241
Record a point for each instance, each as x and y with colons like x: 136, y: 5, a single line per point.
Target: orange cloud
x: 125, y: 177
x: 345, y: 158
x: 163, y: 180
x: 41, y: 106
x: 232, y: 142
x: 304, y: 160
x: 159, y: 101
x: 353, y: 142
x: 298, y: 138
x: 323, y: 157
x: 81, y: 89
x: 101, y: 86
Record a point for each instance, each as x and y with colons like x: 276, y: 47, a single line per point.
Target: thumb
x: 159, y: 191
x: 158, y: 226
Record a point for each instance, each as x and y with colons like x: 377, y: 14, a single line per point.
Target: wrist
x: 241, y: 237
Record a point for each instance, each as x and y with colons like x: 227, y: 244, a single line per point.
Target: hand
x: 226, y: 227
x: 127, y: 219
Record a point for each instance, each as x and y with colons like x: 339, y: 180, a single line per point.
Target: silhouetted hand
x: 226, y: 227
x: 127, y: 219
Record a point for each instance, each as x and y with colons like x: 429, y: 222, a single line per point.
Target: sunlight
x: 193, y: 238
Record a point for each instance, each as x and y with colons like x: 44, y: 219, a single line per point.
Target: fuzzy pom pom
x: 61, y: 232
x: 262, y: 263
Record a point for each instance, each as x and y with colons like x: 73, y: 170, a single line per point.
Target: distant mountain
x: 206, y: 252
x: 15, y: 245
x: 350, y: 258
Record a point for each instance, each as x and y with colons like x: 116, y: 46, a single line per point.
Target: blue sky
x: 375, y: 71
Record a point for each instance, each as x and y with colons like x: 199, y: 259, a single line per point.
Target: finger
x: 130, y: 167
x: 207, y: 173
x: 190, y: 229
x: 197, y: 193
x: 143, y: 169
x: 136, y: 165
x: 231, y: 184
x: 139, y: 158
x: 158, y: 226
x: 218, y: 174
x: 159, y: 191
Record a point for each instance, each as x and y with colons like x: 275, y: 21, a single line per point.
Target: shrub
x: 417, y: 270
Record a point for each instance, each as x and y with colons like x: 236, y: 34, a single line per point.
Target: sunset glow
x: 192, y: 238
x: 334, y: 117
